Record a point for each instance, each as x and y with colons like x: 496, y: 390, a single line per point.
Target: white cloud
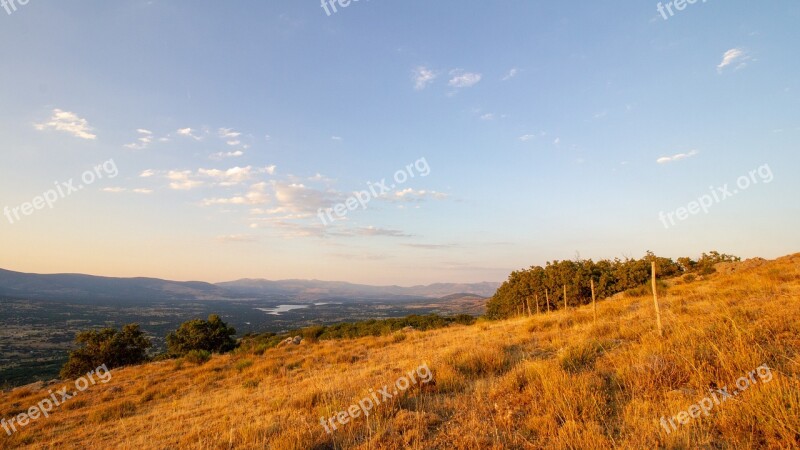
x: 488, y: 116
x: 147, y: 173
x: 188, y: 132
x: 411, y: 195
x: 511, y: 74
x: 228, y: 133
x: 527, y: 137
x: 299, y: 199
x: 732, y: 56
x: 68, y: 122
x: 223, y: 155
x: 181, y: 180
x: 256, y: 195
x: 116, y: 190
x: 677, y: 157
x: 144, y: 140
x: 557, y: 141
x: 336, y: 138
x: 423, y: 77
x: 463, y: 79
x: 235, y: 175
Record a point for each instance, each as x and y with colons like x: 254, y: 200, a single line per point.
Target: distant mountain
x: 316, y: 290
x: 77, y: 287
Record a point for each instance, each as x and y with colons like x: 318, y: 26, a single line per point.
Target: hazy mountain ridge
x: 98, y: 288
x: 316, y: 289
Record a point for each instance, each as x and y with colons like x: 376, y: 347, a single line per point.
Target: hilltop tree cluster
x: 525, y: 288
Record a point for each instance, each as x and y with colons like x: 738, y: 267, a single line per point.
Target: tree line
x: 541, y: 289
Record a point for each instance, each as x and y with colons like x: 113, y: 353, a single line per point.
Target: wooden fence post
x: 594, y: 303
x: 537, y: 304
x: 547, y: 297
x: 566, y: 305
x: 655, y: 301
x: 528, y: 302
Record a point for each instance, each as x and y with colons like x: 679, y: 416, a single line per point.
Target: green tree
x: 107, y: 346
x: 212, y: 335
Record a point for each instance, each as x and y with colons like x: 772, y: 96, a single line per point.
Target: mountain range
x: 79, y: 287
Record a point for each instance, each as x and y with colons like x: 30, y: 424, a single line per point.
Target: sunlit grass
x: 553, y: 381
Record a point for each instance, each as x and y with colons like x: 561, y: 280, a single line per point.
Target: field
x: 557, y: 380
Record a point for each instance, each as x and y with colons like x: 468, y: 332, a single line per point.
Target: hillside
x: 556, y: 380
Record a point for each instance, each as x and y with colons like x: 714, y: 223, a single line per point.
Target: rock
x: 297, y: 340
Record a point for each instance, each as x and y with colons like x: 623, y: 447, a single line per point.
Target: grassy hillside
x: 553, y: 381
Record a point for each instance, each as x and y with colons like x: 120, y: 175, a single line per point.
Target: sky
x: 393, y: 142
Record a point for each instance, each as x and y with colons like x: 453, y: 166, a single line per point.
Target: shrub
x: 107, y: 346
x: 198, y: 357
x: 212, y: 335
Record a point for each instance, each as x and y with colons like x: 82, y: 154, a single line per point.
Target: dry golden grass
x: 553, y: 381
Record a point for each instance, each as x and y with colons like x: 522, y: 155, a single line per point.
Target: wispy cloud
x: 374, y: 231
x: 181, y: 180
x: 118, y: 190
x: 144, y: 140
x: 461, y: 79
x: 189, y: 132
x: 511, y: 74
x: 733, y: 56
x: 677, y: 157
x: 423, y: 77
x: 412, y: 195
x: 256, y: 195
x: 230, y: 136
x: 68, y: 122
x: 235, y: 175
x: 223, y: 155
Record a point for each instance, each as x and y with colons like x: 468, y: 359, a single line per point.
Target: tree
x: 212, y: 335
x: 107, y: 346
x: 610, y: 277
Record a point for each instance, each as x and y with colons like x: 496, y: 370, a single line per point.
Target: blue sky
x: 549, y: 130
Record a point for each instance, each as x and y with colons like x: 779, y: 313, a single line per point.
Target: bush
x: 198, y: 357
x: 212, y: 335
x: 107, y: 346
